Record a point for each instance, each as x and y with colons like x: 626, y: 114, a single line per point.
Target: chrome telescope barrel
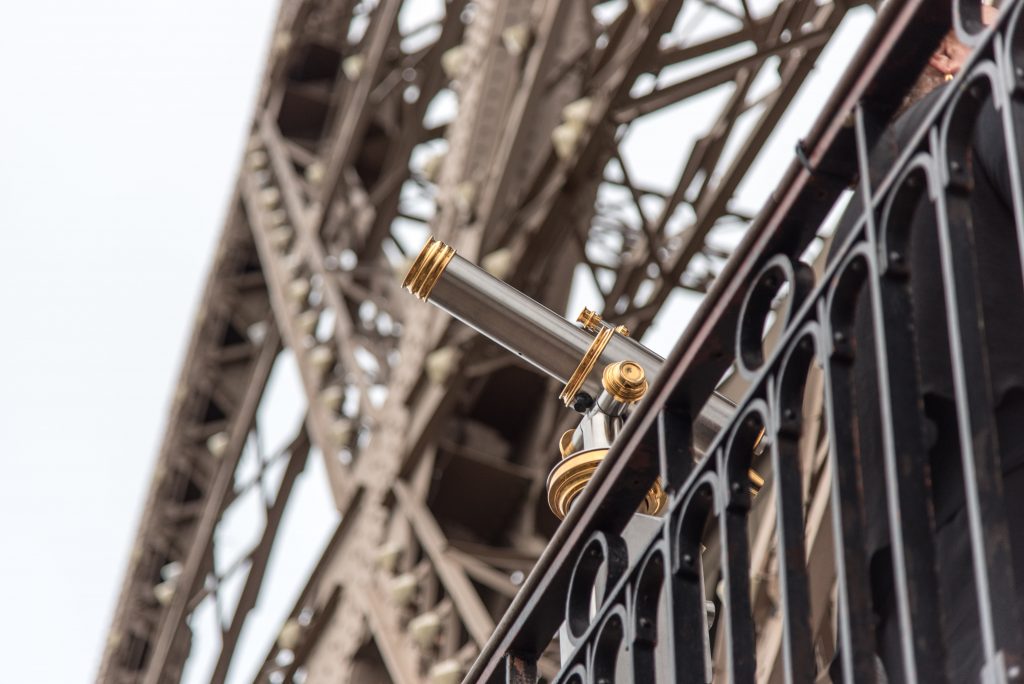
x: 525, y: 327
x: 537, y: 334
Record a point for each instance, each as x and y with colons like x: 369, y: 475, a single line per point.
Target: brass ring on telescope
x: 570, y: 475
x: 427, y: 268
x: 568, y: 478
x: 586, y: 365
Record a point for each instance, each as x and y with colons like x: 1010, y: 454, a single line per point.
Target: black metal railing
x: 914, y: 403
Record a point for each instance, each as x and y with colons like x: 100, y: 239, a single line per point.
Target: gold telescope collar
x: 427, y: 268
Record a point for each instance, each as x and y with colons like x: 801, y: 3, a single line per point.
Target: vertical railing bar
x: 856, y: 648
x: 855, y: 633
x: 674, y: 447
x: 1013, y: 140
x: 905, y: 455
x: 798, y: 658
x: 685, y: 588
x: 739, y: 630
x: 978, y: 431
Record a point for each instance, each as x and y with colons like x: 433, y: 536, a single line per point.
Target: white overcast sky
x: 121, y: 128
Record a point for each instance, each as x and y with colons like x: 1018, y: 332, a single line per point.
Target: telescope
x: 605, y: 372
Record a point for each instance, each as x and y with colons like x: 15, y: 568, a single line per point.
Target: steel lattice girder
x: 336, y: 180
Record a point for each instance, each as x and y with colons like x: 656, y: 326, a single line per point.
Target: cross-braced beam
x: 504, y: 127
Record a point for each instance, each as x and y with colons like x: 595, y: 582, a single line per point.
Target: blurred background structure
x: 587, y: 154
x: 370, y: 470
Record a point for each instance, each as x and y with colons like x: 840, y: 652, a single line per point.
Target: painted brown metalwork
x: 340, y: 183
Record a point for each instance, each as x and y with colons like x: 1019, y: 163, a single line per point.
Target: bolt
x: 687, y: 559
x: 1013, y: 672
x: 839, y: 337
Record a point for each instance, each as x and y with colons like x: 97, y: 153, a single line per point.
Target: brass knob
x: 590, y: 320
x: 625, y: 381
